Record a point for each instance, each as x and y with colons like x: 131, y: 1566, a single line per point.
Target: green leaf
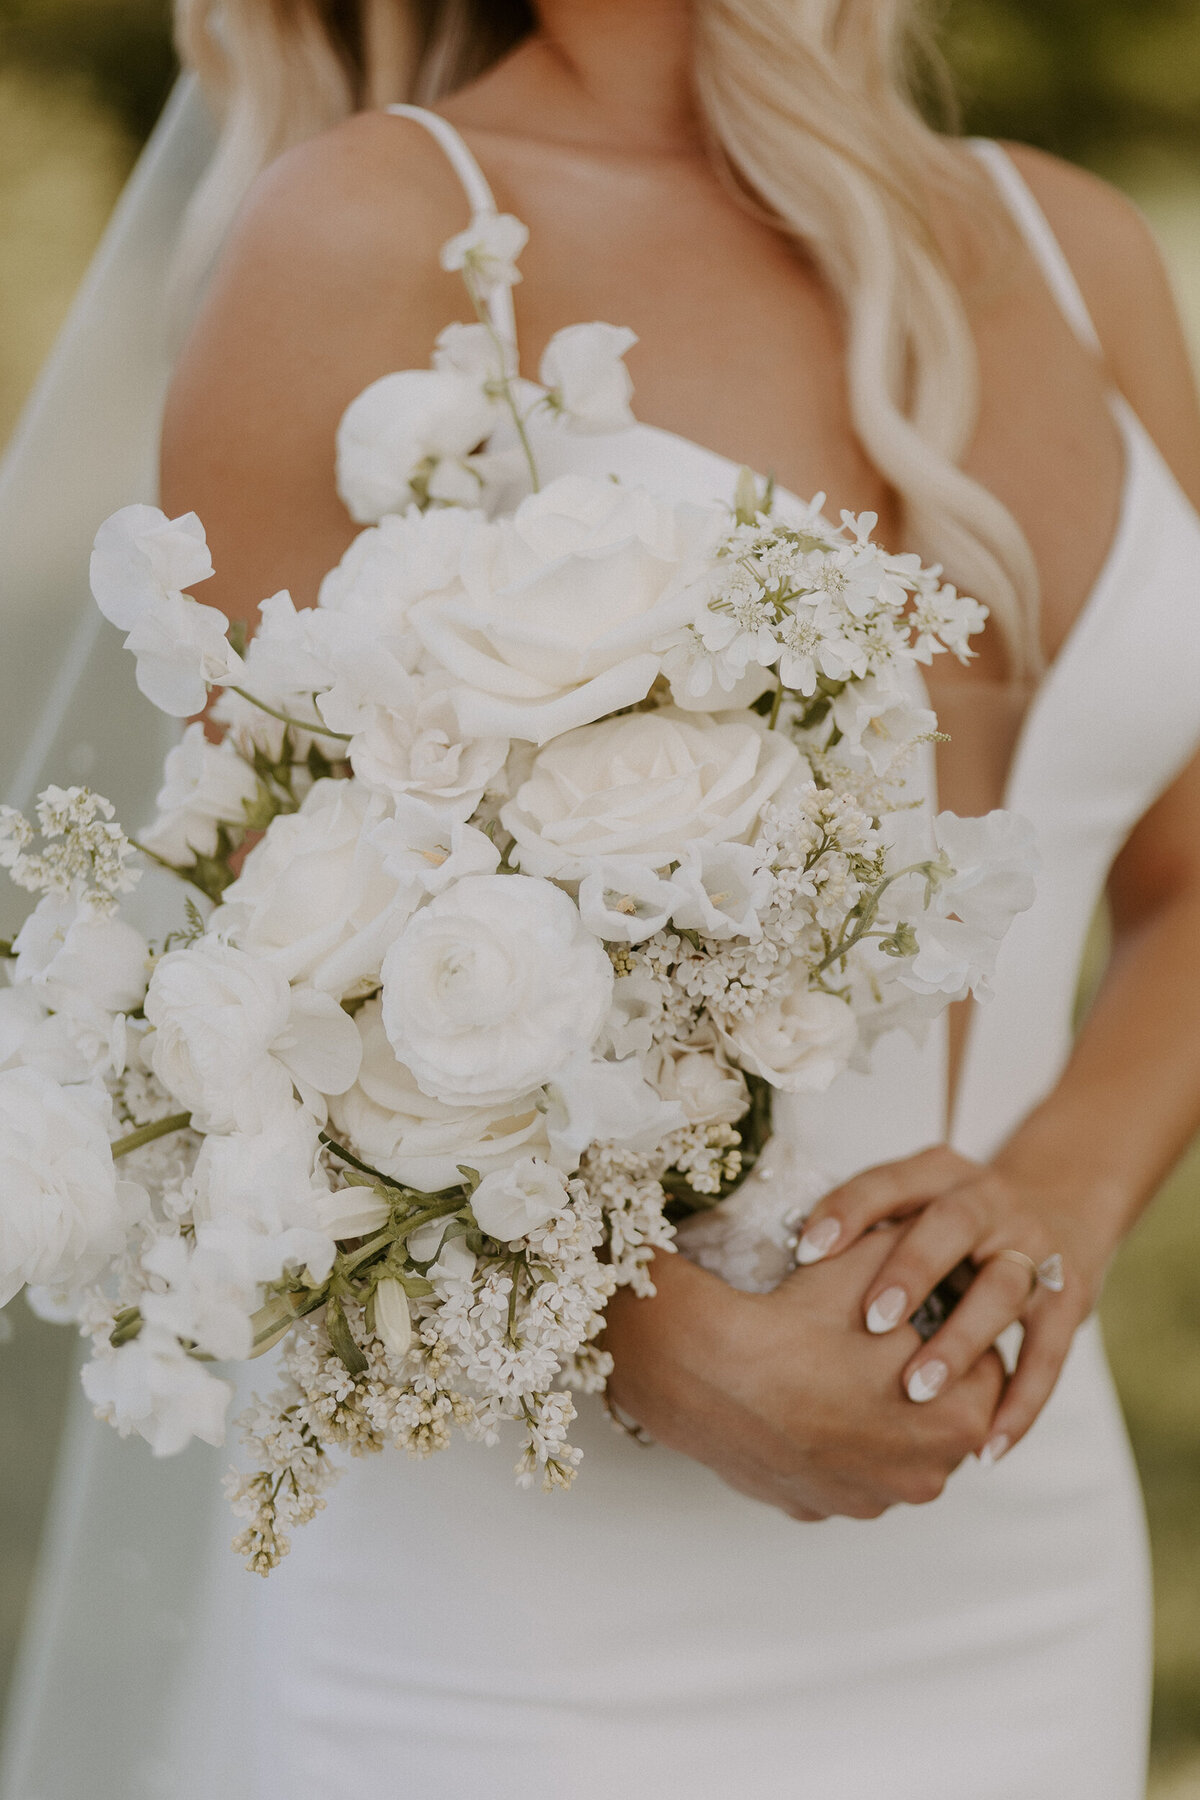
x: 342, y: 1339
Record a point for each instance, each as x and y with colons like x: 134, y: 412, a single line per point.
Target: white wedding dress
x: 438, y: 1634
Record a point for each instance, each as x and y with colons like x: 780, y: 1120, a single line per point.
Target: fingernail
x: 927, y: 1381
x: 818, y: 1241
x: 887, y: 1309
x: 991, y: 1453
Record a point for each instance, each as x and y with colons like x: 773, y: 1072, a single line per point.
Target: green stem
x: 776, y: 703
x: 441, y: 1210
x: 311, y: 725
x: 870, y: 906
x: 146, y: 1134
x: 362, y: 1167
x: 510, y: 399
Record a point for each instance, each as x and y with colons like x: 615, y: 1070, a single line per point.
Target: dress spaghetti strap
x: 1036, y: 229
x: 479, y: 197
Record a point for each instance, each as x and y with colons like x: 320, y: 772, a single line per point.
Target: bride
x: 853, y: 1564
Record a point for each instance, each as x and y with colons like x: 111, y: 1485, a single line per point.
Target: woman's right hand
x: 786, y: 1396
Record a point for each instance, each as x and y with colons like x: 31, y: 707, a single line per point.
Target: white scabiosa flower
x: 492, y: 988
x: 584, y: 370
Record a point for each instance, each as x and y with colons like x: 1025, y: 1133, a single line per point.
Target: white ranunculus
x: 404, y: 1133
x: 487, y: 250
x: 313, y: 898
x: 399, y: 430
x: 560, y: 606
x: 584, y: 369
x: 205, y: 786
x: 421, y: 849
x: 720, y: 891
x: 623, y: 901
x: 66, y: 949
x: 645, y: 785
x: 709, y: 1091
x: 232, y: 1039
x: 420, y: 751
x: 78, y: 1044
x: 393, y: 1320
x: 492, y: 988
x: 152, y: 1387
x: 512, y: 1202
x: 141, y: 563
x: 63, y: 1211
x: 799, y: 1044
x: 597, y: 1102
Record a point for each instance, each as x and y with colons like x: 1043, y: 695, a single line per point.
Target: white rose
x: 205, y: 786
x: 560, y: 606
x: 492, y: 988
x: 584, y: 370
x: 709, y: 1091
x: 153, y: 1387
x: 799, y: 1044
x: 141, y: 562
x: 405, y: 558
x: 511, y: 1203
x: 419, y: 751
x: 63, y: 1212
x: 402, y: 1132
x: 313, y: 898
x: 398, y: 431
x: 232, y: 1039
x: 643, y: 786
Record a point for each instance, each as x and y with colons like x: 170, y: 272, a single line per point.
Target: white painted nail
x: 927, y: 1381
x: 991, y: 1453
x: 818, y: 1241
x: 887, y: 1310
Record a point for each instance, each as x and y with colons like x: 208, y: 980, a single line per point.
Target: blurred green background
x: 1114, y: 84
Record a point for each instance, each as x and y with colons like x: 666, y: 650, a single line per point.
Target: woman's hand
x: 966, y: 1211
x: 785, y: 1396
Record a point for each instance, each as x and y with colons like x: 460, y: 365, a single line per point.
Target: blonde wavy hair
x: 811, y: 115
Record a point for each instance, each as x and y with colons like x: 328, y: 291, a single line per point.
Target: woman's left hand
x: 963, y: 1210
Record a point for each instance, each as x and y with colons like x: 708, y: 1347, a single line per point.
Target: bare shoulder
x: 1121, y: 272
x: 329, y: 280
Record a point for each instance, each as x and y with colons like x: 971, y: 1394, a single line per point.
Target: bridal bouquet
x: 570, y: 824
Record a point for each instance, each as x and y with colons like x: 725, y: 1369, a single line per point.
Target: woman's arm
x: 1078, y: 1173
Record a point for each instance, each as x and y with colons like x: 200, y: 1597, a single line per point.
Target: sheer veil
x: 130, y: 1570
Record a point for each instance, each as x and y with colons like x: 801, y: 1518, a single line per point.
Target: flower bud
x: 393, y: 1321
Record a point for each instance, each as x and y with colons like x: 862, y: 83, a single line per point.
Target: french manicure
x: 927, y: 1381
x: 991, y: 1453
x: 887, y: 1310
x: 818, y: 1241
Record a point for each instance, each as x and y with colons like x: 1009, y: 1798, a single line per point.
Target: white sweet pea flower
x: 994, y: 861
x: 448, y: 1255
x: 314, y: 899
x: 593, y: 1101
x: 141, y: 563
x: 559, y: 607
x: 984, y: 880
x: 63, y: 1211
x: 395, y: 437
x: 583, y: 367
x: 270, y: 1183
x: 208, y: 1297
x: 232, y: 1039
x: 420, y: 848
x: 800, y: 1044
x: 402, y: 1132
x: 641, y: 786
x: 205, y: 786
x: 623, y: 901
x: 510, y: 1203
x: 492, y: 988
x: 701, y: 1081
x: 152, y: 1387
x: 487, y: 250
x: 474, y: 351
x: 87, y: 969
x: 393, y: 1320
x: 419, y: 751
x: 720, y: 890
x: 637, y: 1007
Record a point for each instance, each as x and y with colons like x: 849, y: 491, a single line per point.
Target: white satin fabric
x: 437, y: 1633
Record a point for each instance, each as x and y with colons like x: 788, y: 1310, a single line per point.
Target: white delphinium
x: 141, y: 563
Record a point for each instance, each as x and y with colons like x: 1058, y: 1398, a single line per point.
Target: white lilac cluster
x: 568, y: 826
